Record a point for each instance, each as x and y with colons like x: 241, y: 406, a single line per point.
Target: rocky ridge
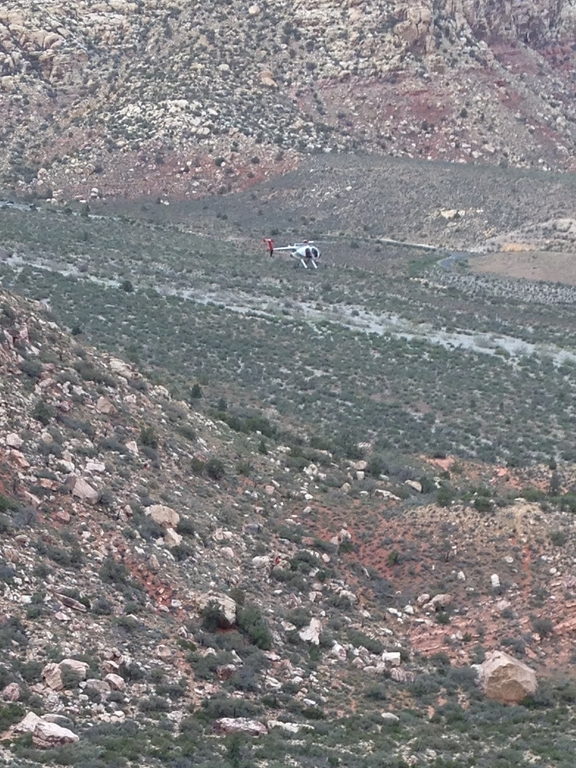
x: 153, y: 562
x: 156, y: 97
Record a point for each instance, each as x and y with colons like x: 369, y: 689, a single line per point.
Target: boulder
x: 505, y: 679
x: 13, y: 440
x: 53, y: 673
x: 240, y: 725
x: 311, y: 633
x: 291, y: 728
x: 49, y: 735
x: 84, y: 491
x: 172, y: 539
x: 28, y: 724
x: 53, y: 676
x: 163, y: 515
x: 120, y: 367
x: 440, y: 602
x: 95, y: 466
x: 11, y: 692
x: 58, y: 718
x: 115, y: 682
x: 104, y: 405
x: 70, y: 602
x: 100, y: 687
x: 78, y: 668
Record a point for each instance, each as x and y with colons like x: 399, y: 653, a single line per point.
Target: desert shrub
x: 149, y: 437
x: 188, y: 432
x: 7, y: 573
x: 128, y: 624
x: 230, y: 707
x: 305, y: 561
x: 70, y: 678
x: 483, y: 504
x: 112, y: 444
x: 244, y: 467
x: 32, y: 368
x: 558, y: 537
x: 5, y: 525
x: 132, y: 671
x: 106, y: 498
x: 376, y: 466
x: 148, y: 528
x: 43, y: 412
x: 197, y: 465
x: 90, y: 372
x: 181, y: 552
x: 196, y: 392
x: 254, y: 626
x: 154, y: 704
x: 299, y: 617
x: 393, y: 557
x: 246, y: 677
x: 215, y: 469
x: 185, y: 526
x: 360, y: 639
x: 542, y: 625
x: 173, y: 690
x: 113, y: 572
x: 102, y: 607
x: 376, y: 692
x: 12, y: 632
x: 213, y: 617
x: 67, y: 558
x: 445, y: 496
x: 10, y: 714
x: 6, y: 503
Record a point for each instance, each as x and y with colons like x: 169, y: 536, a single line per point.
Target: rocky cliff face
x: 81, y: 81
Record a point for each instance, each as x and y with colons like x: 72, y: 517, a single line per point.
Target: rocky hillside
x: 167, y: 577
x: 158, y: 97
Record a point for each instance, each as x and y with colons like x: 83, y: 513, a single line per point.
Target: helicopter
x: 306, y: 253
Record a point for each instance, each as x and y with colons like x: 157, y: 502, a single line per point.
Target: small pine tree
x: 554, y: 487
x: 196, y: 392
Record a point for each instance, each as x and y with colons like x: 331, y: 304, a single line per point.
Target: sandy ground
x: 532, y: 265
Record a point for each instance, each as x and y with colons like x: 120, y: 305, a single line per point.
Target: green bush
x: 213, y: 617
x: 10, y: 714
x: 113, y: 572
x: 32, y: 368
x: 43, y: 412
x: 230, y: 707
x: 359, y: 638
x: 148, y: 437
x: 254, y: 626
x: 215, y: 469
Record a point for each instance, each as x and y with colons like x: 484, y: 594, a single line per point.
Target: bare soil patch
x: 549, y: 266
